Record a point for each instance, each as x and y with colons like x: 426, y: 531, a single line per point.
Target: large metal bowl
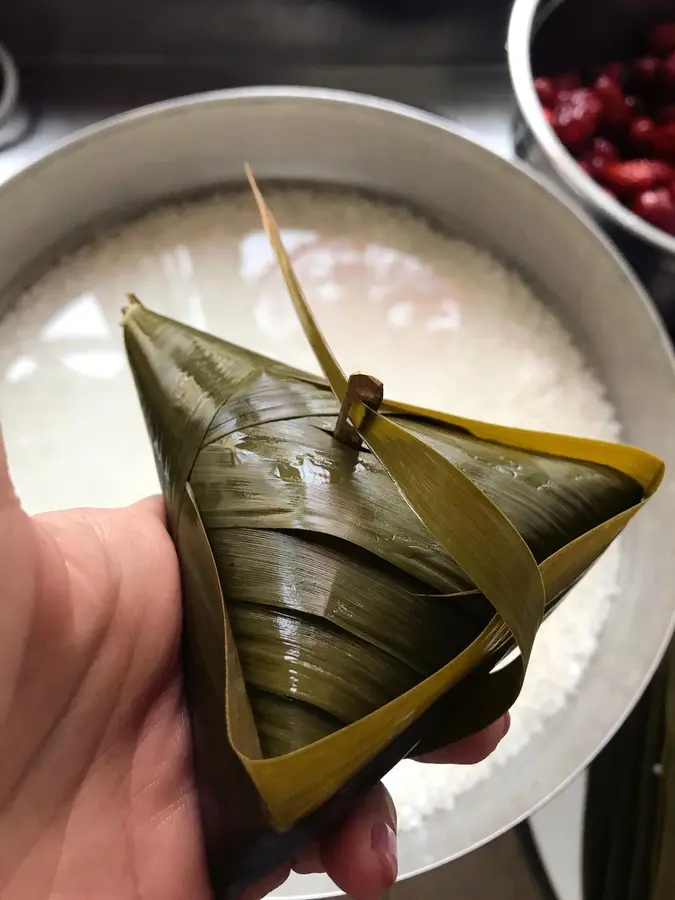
x: 313, y: 135
x: 555, y: 36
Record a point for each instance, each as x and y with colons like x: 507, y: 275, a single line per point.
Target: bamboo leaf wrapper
x: 345, y: 608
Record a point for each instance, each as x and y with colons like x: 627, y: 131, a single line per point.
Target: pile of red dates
x: 619, y: 125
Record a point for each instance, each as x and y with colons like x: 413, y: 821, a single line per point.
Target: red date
x: 646, y: 71
x: 668, y: 71
x: 656, y: 207
x: 664, y: 140
x: 616, y: 109
x: 596, y: 159
x: 633, y: 176
x: 661, y: 39
x: 642, y: 132
x: 567, y: 82
x: 546, y: 92
x: 616, y: 71
x: 576, y: 118
x: 606, y: 149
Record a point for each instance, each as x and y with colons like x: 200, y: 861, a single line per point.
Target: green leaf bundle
x: 346, y: 601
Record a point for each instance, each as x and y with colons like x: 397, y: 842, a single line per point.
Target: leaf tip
x: 126, y: 310
x: 268, y: 222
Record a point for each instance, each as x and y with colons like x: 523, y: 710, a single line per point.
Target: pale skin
x: 97, y: 798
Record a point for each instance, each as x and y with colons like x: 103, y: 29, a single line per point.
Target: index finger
x: 472, y: 749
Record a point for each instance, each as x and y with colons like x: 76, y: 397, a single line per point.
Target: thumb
x: 8, y: 496
x: 18, y: 572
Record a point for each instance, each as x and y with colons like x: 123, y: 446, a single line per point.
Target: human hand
x: 96, y: 787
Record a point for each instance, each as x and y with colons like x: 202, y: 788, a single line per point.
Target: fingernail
x: 383, y: 842
x: 506, y: 723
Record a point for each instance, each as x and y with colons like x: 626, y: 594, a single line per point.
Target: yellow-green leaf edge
x: 317, y: 771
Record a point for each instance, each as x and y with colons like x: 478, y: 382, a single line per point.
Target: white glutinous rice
x: 440, y: 321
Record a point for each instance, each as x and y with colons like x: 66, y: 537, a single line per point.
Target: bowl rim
x: 521, y: 30
x: 523, y: 13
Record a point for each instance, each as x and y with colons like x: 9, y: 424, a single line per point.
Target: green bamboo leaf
x: 629, y: 825
x: 664, y: 867
x: 456, y: 512
x: 343, y: 607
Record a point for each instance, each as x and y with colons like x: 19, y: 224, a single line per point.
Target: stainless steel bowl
x: 340, y: 138
x: 555, y: 36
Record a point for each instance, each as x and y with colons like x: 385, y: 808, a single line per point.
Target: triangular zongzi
x: 336, y: 596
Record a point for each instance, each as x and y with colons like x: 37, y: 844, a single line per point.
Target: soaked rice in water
x: 439, y: 320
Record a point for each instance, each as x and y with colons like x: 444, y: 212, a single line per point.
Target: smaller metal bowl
x: 9, y: 85
x: 555, y: 36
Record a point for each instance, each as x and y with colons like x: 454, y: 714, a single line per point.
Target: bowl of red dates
x: 595, y: 88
